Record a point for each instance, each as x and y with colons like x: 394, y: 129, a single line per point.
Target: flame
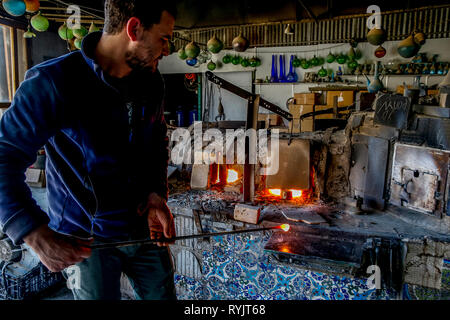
x: 218, y: 176
x: 285, y: 249
x: 296, y: 193
x: 232, y: 176
x: 275, y: 192
x: 285, y: 227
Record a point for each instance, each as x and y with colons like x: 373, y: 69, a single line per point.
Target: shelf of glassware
x: 415, y: 75
x: 346, y: 75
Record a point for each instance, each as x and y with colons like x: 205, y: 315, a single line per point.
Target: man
x: 99, y: 114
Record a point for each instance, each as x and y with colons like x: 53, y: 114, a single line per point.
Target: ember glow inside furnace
x: 275, y: 192
x: 225, y: 175
x: 286, y: 194
x: 232, y: 176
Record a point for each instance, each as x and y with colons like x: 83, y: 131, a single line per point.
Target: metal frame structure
x: 254, y: 102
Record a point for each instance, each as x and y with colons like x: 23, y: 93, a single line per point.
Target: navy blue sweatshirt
x: 105, y: 142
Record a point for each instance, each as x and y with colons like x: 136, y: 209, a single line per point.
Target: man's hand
x: 159, y: 217
x: 57, y: 251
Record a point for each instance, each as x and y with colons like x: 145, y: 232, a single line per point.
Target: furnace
x: 355, y: 198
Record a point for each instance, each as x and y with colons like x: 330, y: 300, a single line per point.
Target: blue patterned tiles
x: 238, y: 268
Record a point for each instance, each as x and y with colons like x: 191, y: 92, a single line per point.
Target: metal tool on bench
x: 284, y: 227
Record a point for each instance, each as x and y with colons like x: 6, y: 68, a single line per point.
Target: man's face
x: 152, y: 45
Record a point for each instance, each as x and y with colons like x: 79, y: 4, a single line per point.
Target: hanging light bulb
x: 289, y: 31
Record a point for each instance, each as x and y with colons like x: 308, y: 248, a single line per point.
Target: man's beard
x: 137, y: 64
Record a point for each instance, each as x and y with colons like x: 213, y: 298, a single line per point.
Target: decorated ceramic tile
x: 237, y: 267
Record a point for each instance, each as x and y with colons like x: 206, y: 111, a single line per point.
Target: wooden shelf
x: 278, y: 83
x: 397, y: 75
x: 307, y: 83
x: 415, y: 75
x: 338, y: 88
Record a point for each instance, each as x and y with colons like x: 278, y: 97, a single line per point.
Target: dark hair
x: 118, y: 12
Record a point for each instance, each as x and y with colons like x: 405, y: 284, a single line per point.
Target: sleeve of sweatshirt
x: 24, y: 128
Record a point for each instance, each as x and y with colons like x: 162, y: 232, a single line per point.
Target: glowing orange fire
x: 285, y: 249
x: 275, y: 192
x: 296, y: 193
x: 232, y: 176
x: 218, y: 176
x: 285, y: 227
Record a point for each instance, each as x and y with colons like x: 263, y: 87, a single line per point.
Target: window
x: 13, y: 62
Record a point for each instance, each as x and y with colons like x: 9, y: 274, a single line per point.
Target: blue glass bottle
x: 192, y: 116
x: 180, y: 116
x: 292, y: 75
x: 274, y: 76
x: 433, y: 69
x: 282, y: 77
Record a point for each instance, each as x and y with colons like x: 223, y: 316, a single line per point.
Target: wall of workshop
x: 45, y: 46
x: 234, y: 106
x: 280, y: 93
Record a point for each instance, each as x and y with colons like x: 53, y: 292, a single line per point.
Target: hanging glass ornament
x: 211, y: 66
x: 39, y: 23
x: 182, y: 54
x: 240, y: 43
x: 376, y: 36
x: 305, y: 64
x: 408, y: 48
x: 14, y: 7
x: 296, y: 62
x: 93, y: 28
x: 353, y: 64
x: 419, y: 38
x: 226, y: 59
x: 192, y: 50
x: 29, y: 34
x: 321, y: 61
x: 322, y: 72
x: 32, y: 6
x: 314, y: 61
x: 341, y: 59
x: 214, y: 45
x: 81, y: 32
x: 245, y: 63
x: 77, y: 43
x: 191, y: 62
x: 253, y: 62
x: 351, y: 53
x: 64, y: 32
x: 380, y: 52
x: 236, y: 60
x: 330, y: 58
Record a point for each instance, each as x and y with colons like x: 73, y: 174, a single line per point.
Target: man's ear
x: 134, y: 28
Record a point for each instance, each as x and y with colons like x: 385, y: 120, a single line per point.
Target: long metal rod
x: 192, y: 236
